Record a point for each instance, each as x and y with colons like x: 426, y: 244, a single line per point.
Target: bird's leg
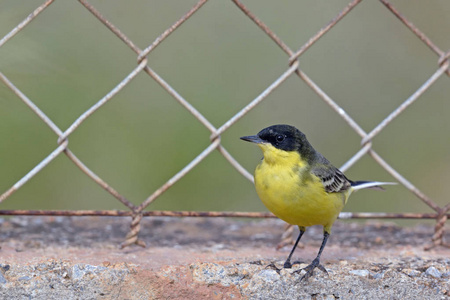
x: 316, y: 262
x: 287, y: 263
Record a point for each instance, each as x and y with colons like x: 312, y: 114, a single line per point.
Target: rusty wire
x: 366, y: 141
x: 205, y: 214
x: 292, y: 67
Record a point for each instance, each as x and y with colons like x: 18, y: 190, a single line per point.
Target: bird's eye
x: 280, y: 138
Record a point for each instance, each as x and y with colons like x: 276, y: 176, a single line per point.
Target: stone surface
x: 79, y: 258
x: 432, y: 271
x: 361, y: 273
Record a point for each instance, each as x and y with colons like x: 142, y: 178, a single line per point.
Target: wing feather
x: 334, y: 181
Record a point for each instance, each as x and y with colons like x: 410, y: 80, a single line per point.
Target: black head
x: 283, y: 137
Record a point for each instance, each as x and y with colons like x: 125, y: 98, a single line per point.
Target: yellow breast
x: 287, y: 188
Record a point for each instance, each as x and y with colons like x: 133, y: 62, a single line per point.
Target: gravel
x: 344, y: 281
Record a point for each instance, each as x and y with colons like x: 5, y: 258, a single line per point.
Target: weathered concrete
x: 79, y: 258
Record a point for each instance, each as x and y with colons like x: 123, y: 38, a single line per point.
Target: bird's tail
x: 358, y: 185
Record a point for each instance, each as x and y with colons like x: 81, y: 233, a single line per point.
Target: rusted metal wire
x: 323, y: 30
x: 98, y: 180
x: 103, y: 101
x: 415, y: 30
x: 439, y: 229
x: 256, y: 101
x: 206, y: 214
x: 34, y: 171
x: 171, y: 29
x: 293, y: 66
x: 443, y: 67
x: 179, y: 175
x: 62, y: 148
x: 366, y: 141
x: 132, y: 236
x: 25, y: 22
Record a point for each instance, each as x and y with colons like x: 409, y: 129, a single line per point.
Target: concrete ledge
x: 79, y: 258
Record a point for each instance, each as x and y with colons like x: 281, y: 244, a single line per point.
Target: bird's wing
x: 333, y: 179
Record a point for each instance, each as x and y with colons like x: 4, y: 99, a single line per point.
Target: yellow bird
x: 299, y: 185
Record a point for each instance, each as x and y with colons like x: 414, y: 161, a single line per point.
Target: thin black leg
x: 316, y: 262
x: 287, y: 263
x: 325, y: 239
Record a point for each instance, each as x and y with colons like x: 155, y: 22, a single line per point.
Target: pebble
x: 2, y: 279
x: 80, y: 270
x: 377, y: 275
x: 268, y: 275
x: 446, y: 275
x: 24, y: 278
x: 411, y: 273
x: 432, y: 271
x: 343, y: 262
x: 5, y: 267
x: 362, y: 273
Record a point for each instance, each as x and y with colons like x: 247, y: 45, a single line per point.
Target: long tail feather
x: 358, y: 185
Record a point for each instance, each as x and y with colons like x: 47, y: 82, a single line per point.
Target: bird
x: 300, y: 186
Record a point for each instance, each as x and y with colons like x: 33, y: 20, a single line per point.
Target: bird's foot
x: 287, y: 265
x: 310, y: 269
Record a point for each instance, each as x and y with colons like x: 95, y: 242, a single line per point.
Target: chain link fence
x: 293, y: 69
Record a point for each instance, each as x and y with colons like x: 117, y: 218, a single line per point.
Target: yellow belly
x: 298, y: 202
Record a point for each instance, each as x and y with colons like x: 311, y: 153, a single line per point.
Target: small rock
x: 19, y: 221
x: 5, y: 268
x: 2, y: 279
x: 432, y: 271
x: 80, y: 270
x: 65, y: 275
x: 24, y: 278
x: 268, y: 275
x: 343, y: 262
x: 77, y: 272
x: 286, y: 272
x: 232, y: 272
x: 362, y: 273
x: 209, y: 273
x: 217, y: 247
x: 377, y: 275
x: 379, y: 240
x: 411, y: 273
x: 106, y: 263
x: 245, y: 273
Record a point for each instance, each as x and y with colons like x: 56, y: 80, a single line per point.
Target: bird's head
x: 279, y: 139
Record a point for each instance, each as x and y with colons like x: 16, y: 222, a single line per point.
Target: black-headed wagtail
x: 300, y: 186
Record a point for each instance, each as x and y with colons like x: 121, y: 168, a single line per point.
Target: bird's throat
x: 274, y: 156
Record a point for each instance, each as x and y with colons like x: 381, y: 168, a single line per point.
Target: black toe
x: 310, y: 269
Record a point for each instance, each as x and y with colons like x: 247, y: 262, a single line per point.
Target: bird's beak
x: 253, y: 139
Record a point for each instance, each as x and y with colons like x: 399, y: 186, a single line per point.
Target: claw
x: 273, y: 267
x: 322, y: 268
x: 310, y: 269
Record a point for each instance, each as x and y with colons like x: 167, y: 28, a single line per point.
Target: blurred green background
x: 66, y: 60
